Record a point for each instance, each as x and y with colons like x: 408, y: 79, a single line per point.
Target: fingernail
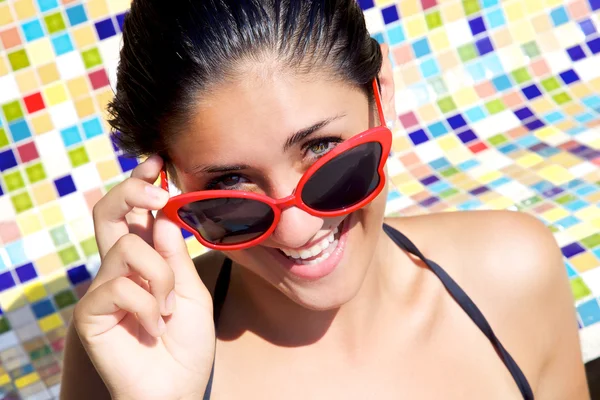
x: 170, y: 303
x: 162, y: 327
x: 156, y: 192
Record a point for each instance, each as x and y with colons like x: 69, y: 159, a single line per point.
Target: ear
x: 388, y: 89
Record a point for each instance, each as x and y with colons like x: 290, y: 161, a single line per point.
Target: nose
x: 295, y: 228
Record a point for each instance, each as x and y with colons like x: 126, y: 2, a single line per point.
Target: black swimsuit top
x: 451, y: 286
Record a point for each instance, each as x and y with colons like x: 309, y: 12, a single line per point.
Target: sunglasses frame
x: 380, y: 134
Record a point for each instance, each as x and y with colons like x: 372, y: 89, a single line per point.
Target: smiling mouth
x: 318, y: 252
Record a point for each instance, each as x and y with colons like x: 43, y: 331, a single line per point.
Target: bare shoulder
x: 208, y: 266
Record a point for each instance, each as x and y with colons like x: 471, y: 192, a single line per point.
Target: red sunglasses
x: 342, y: 181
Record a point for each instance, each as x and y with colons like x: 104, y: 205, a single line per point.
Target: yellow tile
x: 85, y: 107
x: 580, y: 90
x: 6, y: 16
x: 40, y: 52
x: 97, y: 9
x: 448, y: 142
x: 78, y: 87
x: 581, y: 231
x: 48, y: 73
x: 12, y: 299
x: 415, y: 26
x: 533, y: 6
x: 3, y: 67
x: 452, y: 12
x: 465, y: 97
x: 584, y: 262
x: 546, y: 132
x: 522, y: 31
x: 103, y: 98
x: 27, y: 81
x: 29, y: 222
x: 428, y: 112
x: 52, y: 215
x: 556, y: 174
x: 107, y: 169
x: 573, y: 109
x: 489, y: 177
x: 43, y: 193
x: 514, y: 11
x: 50, y: 322
x: 459, y: 155
x: 543, y: 106
x: 529, y: 160
x: 24, y: 9
x: 117, y: 6
x: 99, y: 148
x: 35, y: 291
x: 400, y: 144
x: 27, y: 380
x: 41, y: 123
x: 554, y: 3
x: 411, y: 188
x: 555, y: 214
x: 409, y: 7
x: 83, y: 36
x: 595, y: 84
x: 194, y: 247
x: 4, y: 379
x: 438, y: 40
x: 589, y: 213
x: 55, y: 94
x: 47, y: 265
x: 500, y: 203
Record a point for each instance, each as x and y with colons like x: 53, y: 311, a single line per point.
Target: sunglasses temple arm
x: 377, y: 95
x: 164, y: 183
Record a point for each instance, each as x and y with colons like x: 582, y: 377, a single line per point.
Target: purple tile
x: 429, y: 180
x: 26, y: 272
x: 572, y: 249
x: 552, y: 192
x: 6, y: 281
x: 429, y: 201
x: 479, y: 190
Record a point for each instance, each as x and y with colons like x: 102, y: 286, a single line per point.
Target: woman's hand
x: 146, y: 320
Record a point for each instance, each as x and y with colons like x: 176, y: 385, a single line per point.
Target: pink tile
x: 92, y: 197
x: 578, y: 9
x: 540, y: 67
x: 512, y: 99
x: 485, y: 89
x: 402, y: 54
x: 428, y: 4
x: 9, y: 231
x: 409, y: 119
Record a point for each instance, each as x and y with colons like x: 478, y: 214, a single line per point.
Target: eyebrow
x: 293, y: 140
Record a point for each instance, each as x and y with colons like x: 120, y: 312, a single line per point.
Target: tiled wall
x: 499, y: 108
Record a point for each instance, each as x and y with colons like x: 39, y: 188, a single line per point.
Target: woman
x: 270, y: 117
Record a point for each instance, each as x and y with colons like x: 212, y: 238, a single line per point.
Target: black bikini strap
x: 220, y: 293
x: 468, y: 306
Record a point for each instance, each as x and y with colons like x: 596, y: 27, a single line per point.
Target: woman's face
x: 241, y: 139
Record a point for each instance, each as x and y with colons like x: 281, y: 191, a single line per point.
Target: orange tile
x: 409, y: 159
x: 540, y: 68
x: 578, y: 9
x: 10, y: 38
x: 448, y: 60
x: 48, y: 73
x: 411, y: 74
x: 502, y: 38
x: 513, y: 99
x: 541, y: 23
x: 92, y: 197
x: 402, y: 54
x: 485, y: 89
x: 48, y: 264
x: 27, y: 81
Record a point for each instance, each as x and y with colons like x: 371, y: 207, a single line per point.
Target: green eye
x: 319, y: 148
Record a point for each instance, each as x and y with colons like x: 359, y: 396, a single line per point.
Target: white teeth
x: 317, y: 249
x: 331, y: 238
x: 305, y: 253
x: 335, y: 231
x: 294, y: 254
x: 325, y: 244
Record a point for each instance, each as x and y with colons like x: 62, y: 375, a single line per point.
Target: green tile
x: 69, y: 255
x: 109, y: 186
x: 591, y: 241
x: 550, y: 84
x: 561, y: 98
x: 59, y: 236
x: 438, y: 86
x: 531, y: 49
x: 78, y: 156
x: 448, y: 193
x: 65, y: 299
x: 447, y: 104
x: 564, y: 199
x: 497, y: 140
x: 35, y: 172
x: 41, y: 352
x: 530, y: 201
x: 22, y: 202
x: 471, y: 7
x: 89, y: 247
x: 579, y: 288
x: 521, y: 75
x: 91, y: 58
x: 448, y: 172
x: 467, y: 52
x: 4, y: 325
x: 14, y: 180
x: 495, y: 106
x: 12, y: 111
x: 434, y: 20
x: 3, y: 138
x: 554, y: 228
x: 18, y: 60
x: 54, y: 23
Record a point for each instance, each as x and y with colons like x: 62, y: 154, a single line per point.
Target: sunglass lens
x: 228, y: 220
x: 345, y: 180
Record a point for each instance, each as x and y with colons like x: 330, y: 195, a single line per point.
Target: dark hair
x: 173, y: 51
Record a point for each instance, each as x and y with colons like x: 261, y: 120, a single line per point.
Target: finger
x: 110, y: 212
x: 131, y: 256
x: 102, y: 309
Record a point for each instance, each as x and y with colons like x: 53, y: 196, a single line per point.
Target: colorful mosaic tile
x: 498, y: 108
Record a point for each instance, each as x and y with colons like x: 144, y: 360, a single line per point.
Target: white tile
x: 7, y: 211
x: 583, y: 169
x: 558, y: 62
x: 398, y: 204
x: 70, y: 65
x: 82, y: 227
x: 52, y: 152
x: 494, y: 124
x: 8, y: 340
x: 459, y: 33
x: 20, y: 317
x: 568, y: 35
x: 592, y: 279
x: 374, y: 20
x: 63, y: 115
x: 28, y: 332
x: 587, y: 69
x: 86, y: 177
x: 55, y: 390
x: 8, y: 88
x: 73, y: 206
x: 37, y: 245
x: 512, y: 58
x: 394, y: 167
x: 429, y: 151
x: 515, y: 191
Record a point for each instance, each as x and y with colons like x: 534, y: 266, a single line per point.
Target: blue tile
x: 467, y: 165
x: 421, y: 47
x: 585, y: 117
x: 596, y: 253
x: 390, y: 14
x: 19, y: 130
x: 16, y: 252
x: 47, y: 5
x: 42, y: 308
x: 62, y: 44
x: 499, y: 182
x: 78, y: 274
x: 489, y: 3
x: 467, y: 136
x: 576, y: 53
x: 470, y: 205
x: 186, y: 234
x: 418, y: 137
x: 577, y: 130
x: 553, y: 117
x: 531, y: 91
x: 393, y: 195
x: 502, y: 83
x: 559, y: 16
x: 32, y: 30
x: 439, y: 187
x: 7, y: 160
x: 6, y: 281
x: 1, y: 194
x: 476, y: 70
x: 572, y: 249
x: 535, y: 124
x: 576, y: 205
x: 509, y: 148
x: 587, y: 27
x: 592, y: 101
x: 92, y: 128
x: 569, y: 76
x: 65, y: 185
x: 484, y: 46
x: 120, y: 20
x: 429, y: 68
x: 105, y: 28
x: 586, y: 190
x: 396, y: 35
x: 76, y: 15
x: 594, y: 4
x: 456, y: 121
x: 493, y: 64
x: 127, y: 163
x: 475, y: 114
x: 477, y: 26
x: 523, y: 113
x: 70, y: 136
x: 567, y: 222
x: 26, y: 272
x: 496, y: 18
x: 379, y: 37
x: 439, y: 163
x: 594, y: 45
x: 571, y: 272
x: 437, y: 129
x: 589, y: 312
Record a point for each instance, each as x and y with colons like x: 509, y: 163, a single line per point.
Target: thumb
x: 169, y: 243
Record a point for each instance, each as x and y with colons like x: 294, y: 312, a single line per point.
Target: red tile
x: 28, y: 152
x: 99, y: 79
x: 9, y: 231
x: 408, y: 120
x: 34, y: 102
x: 478, y: 147
x: 10, y: 38
x: 571, y: 144
x: 428, y: 4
